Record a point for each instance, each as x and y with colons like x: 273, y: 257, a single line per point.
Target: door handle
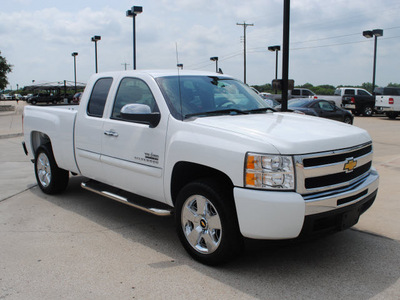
x: 111, y: 133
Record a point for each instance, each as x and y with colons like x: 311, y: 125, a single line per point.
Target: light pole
x: 95, y: 39
x: 215, y: 58
x: 275, y: 49
x: 131, y: 13
x: 75, y: 54
x: 370, y: 34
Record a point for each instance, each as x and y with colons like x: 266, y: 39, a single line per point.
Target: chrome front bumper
x: 328, y: 201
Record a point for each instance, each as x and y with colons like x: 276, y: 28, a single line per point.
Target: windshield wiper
x: 218, y: 112
x: 259, y: 110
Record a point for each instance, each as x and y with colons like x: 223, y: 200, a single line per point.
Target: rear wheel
x: 50, y: 178
x: 392, y: 115
x: 367, y: 111
x: 206, y: 222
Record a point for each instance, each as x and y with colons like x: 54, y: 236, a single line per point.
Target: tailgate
x: 385, y: 101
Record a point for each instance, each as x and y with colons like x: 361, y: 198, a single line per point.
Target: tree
x: 5, y: 68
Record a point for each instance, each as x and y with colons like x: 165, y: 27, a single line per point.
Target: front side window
x: 326, y: 106
x: 98, y: 97
x: 133, y: 91
x: 194, y: 95
x: 363, y: 93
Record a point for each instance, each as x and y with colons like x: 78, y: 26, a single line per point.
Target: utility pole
x: 244, y: 24
x: 125, y: 64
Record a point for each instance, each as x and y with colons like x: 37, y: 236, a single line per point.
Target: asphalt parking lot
x: 79, y: 245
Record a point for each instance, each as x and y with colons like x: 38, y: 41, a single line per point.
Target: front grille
x: 333, y: 179
x: 325, y: 160
x: 320, y: 172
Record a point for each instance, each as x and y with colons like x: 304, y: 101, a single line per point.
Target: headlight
x: 263, y: 171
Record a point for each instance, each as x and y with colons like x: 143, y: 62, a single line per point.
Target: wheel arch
x: 185, y: 172
x: 38, y: 139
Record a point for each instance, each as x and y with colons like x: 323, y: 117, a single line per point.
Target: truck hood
x: 290, y: 133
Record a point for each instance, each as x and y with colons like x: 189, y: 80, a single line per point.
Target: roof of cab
x: 162, y: 73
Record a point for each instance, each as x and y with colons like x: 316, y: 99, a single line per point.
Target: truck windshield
x: 189, y: 96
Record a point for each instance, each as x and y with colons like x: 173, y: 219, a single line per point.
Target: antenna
x: 179, y: 78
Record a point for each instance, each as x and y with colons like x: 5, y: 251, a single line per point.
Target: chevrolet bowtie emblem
x: 350, y: 165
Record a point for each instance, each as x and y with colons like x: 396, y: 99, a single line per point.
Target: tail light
x: 391, y: 101
x: 352, y: 100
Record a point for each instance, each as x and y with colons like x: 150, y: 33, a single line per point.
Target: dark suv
x: 44, y: 98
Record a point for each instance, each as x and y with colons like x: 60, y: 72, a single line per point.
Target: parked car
x: 272, y: 102
x: 6, y: 97
x: 44, y: 98
x: 320, y: 108
x: 26, y: 97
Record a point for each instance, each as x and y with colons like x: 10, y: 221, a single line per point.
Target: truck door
x: 89, y: 130
x: 133, y: 153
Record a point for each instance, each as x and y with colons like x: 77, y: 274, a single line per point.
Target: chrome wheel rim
x: 201, y: 224
x: 43, y: 170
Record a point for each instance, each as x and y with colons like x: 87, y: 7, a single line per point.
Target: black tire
x: 54, y: 102
x: 34, y: 102
x: 368, y: 111
x: 392, y: 115
x: 50, y: 178
x: 211, y: 234
x: 348, y: 120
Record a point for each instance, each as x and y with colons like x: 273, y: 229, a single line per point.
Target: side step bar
x: 136, y: 201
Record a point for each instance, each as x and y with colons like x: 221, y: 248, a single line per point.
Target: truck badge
x: 350, y: 165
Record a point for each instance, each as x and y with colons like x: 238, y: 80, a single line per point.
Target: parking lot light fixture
x: 131, y: 13
x: 275, y: 49
x: 215, y: 58
x: 75, y: 54
x: 369, y: 34
x: 95, y: 39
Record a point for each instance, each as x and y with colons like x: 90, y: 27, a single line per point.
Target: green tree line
x: 324, y: 89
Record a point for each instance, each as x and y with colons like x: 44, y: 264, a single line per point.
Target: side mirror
x: 140, y: 113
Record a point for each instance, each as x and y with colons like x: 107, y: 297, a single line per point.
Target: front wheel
x: 348, y: 120
x: 206, y: 222
x: 50, y: 178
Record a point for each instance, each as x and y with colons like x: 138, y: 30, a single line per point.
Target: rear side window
x: 349, y: 92
x: 98, y: 97
x: 296, y: 92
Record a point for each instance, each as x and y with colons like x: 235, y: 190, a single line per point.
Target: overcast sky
x: 326, y: 41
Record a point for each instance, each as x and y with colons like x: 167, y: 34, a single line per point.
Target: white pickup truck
x: 206, y: 148
x: 390, y: 105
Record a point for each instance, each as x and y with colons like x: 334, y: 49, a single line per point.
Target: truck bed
x: 58, y: 124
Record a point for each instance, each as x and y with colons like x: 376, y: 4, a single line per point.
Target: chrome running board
x: 133, y: 200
